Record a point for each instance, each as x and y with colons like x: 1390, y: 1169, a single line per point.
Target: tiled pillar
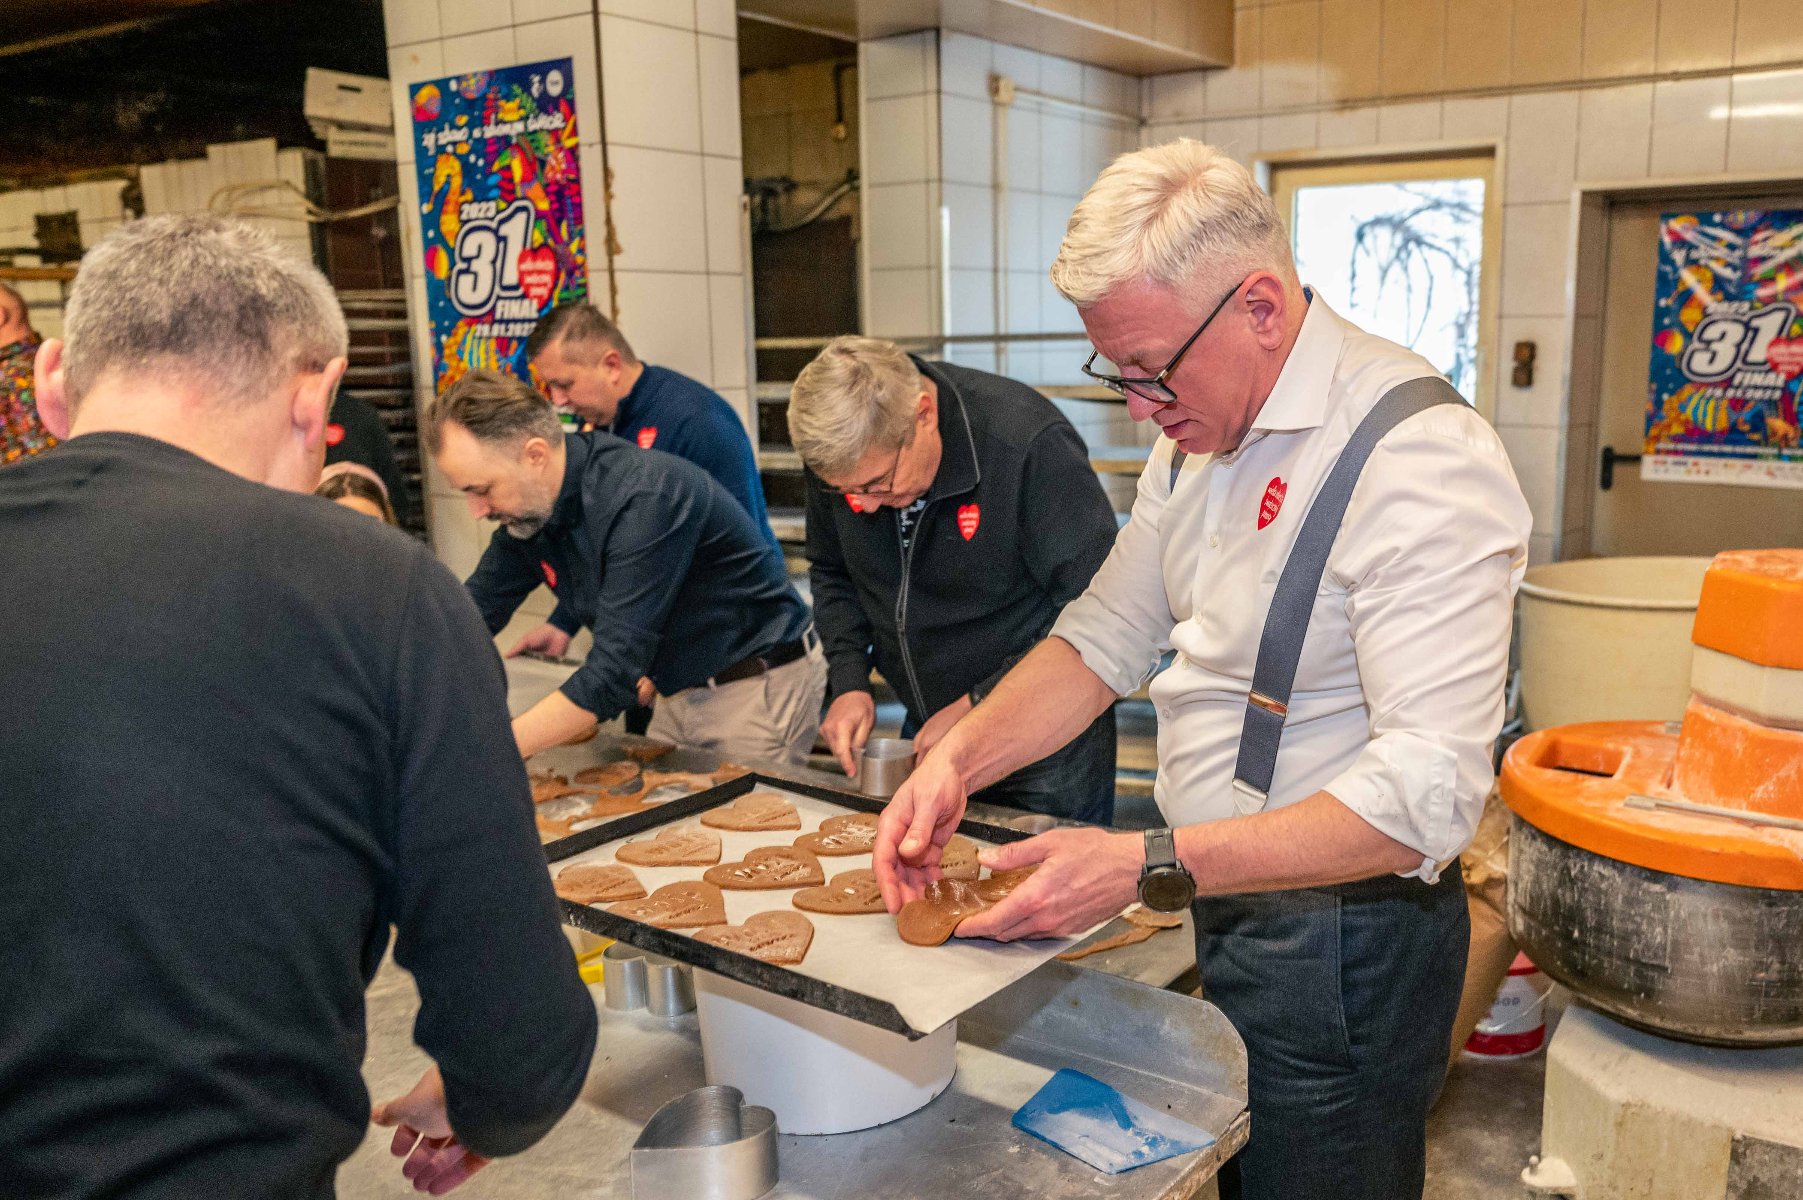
x: 932, y: 181
x: 657, y: 106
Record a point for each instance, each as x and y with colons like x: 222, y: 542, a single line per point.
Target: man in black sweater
x: 248, y: 732
x: 951, y: 515
x: 677, y: 584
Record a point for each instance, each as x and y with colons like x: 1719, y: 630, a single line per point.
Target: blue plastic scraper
x: 1084, y: 1117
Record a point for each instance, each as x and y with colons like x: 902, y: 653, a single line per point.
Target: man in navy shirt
x: 648, y: 551
x: 587, y: 366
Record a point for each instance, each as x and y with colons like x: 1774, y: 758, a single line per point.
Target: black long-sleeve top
x: 1014, y: 526
x: 658, y: 560
x: 247, y: 731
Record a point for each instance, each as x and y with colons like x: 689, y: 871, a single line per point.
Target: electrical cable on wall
x: 228, y: 201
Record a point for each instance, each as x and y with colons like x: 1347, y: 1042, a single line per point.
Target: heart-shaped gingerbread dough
x: 781, y: 938
x: 959, y: 859
x: 686, y: 905
x: 948, y: 903
x: 754, y: 812
x: 680, y: 846
x: 847, y: 892
x: 768, y: 867
x: 598, y: 883
x: 610, y: 775
x: 854, y: 833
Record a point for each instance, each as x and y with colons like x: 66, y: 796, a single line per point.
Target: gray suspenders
x: 1293, y: 601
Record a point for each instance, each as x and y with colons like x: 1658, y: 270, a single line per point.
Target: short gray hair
x: 495, y: 409
x: 859, y: 394
x: 1175, y: 214
x: 206, y: 300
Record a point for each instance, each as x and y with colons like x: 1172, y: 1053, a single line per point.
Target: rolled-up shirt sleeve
x: 1438, y: 545
x: 1122, y: 622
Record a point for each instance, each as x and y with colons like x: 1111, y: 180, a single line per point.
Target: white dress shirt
x: 1399, y: 694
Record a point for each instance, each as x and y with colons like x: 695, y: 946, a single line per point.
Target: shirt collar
x: 958, y: 469
x: 1298, y: 399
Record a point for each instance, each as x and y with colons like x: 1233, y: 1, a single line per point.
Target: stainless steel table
x: 1156, y: 1045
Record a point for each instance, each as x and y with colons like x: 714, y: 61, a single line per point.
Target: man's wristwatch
x: 1165, y: 885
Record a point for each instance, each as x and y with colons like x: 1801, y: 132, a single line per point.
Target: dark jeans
x: 1076, y: 782
x: 1345, y: 997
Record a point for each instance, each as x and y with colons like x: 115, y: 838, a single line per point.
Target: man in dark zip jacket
x: 951, y: 515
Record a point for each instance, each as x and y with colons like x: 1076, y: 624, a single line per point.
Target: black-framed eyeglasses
x: 882, y: 485
x: 1154, y: 388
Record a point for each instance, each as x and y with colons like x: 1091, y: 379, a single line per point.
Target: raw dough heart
x: 773, y: 937
x: 683, y: 846
x: 610, y: 776
x: 848, y: 892
x: 854, y: 833
x: 959, y: 859
x: 550, y: 786
x: 687, y: 905
x: 598, y: 883
x: 648, y: 751
x: 929, y: 921
x: 768, y: 867
x: 933, y: 918
x: 754, y: 812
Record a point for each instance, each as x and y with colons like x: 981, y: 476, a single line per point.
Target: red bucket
x: 1515, y: 1026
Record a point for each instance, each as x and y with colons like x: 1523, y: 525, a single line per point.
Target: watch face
x: 1166, y: 891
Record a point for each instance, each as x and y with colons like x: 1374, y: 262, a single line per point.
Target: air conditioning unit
x: 352, y: 114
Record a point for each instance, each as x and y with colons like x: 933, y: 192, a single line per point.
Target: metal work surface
x: 1156, y: 1046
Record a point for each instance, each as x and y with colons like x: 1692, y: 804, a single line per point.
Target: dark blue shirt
x: 651, y: 554
x: 673, y: 413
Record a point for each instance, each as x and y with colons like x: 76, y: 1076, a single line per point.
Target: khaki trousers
x: 772, y: 717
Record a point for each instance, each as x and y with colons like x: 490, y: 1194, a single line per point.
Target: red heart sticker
x: 647, y: 437
x: 550, y: 575
x: 538, y: 274
x: 856, y: 506
x: 334, y: 434
x: 1786, y: 356
x: 969, y: 517
x: 1272, y: 504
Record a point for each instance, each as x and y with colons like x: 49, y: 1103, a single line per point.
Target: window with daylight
x: 1403, y: 249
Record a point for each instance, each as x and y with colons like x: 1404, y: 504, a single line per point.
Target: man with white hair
x: 247, y: 733
x: 951, y: 515
x: 1331, y: 542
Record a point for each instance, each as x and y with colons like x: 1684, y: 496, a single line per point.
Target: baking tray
x: 867, y: 973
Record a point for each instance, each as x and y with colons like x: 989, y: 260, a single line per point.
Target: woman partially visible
x: 357, y: 488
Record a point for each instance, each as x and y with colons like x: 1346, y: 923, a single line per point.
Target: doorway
x: 1633, y: 516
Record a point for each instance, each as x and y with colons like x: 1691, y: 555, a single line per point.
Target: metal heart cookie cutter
x: 707, y: 1144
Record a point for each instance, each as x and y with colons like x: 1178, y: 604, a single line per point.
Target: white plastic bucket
x: 1515, y: 1026
x: 818, y: 1071
x: 1607, y: 639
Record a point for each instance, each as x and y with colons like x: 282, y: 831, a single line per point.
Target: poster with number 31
x: 1727, y: 355
x: 500, y: 210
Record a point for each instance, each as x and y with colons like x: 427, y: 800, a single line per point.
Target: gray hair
x: 496, y: 409
x: 209, y: 301
x: 1176, y: 214
x: 859, y: 394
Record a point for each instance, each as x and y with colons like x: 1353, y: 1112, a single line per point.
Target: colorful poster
x: 1727, y: 360
x: 500, y: 210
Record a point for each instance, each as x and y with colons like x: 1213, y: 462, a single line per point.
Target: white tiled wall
x: 98, y: 208
x: 1551, y: 142
x: 666, y: 81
